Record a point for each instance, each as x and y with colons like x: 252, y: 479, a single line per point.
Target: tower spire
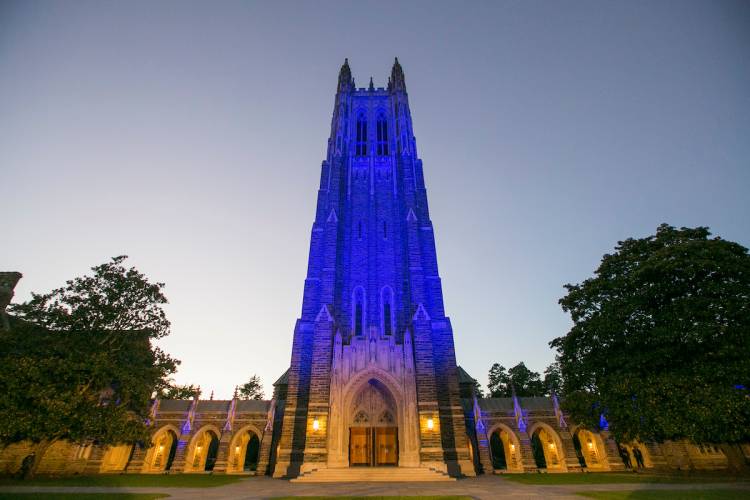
x: 346, y: 82
x: 397, y: 81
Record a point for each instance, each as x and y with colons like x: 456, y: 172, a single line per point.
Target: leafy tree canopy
x: 78, y: 363
x: 252, y: 389
x: 660, y: 340
x: 524, y: 381
x: 175, y: 391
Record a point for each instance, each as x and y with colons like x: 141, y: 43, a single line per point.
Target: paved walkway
x: 483, y: 487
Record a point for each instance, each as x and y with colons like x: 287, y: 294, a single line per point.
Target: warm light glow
x: 430, y: 424
x: 512, y: 447
x: 316, y: 424
x: 198, y: 448
x: 552, y: 446
x: 161, y: 448
x: 591, y: 445
x: 236, y: 449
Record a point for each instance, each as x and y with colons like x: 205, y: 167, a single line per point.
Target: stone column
x: 611, y: 452
x: 222, y: 454
x: 571, y: 458
x: 526, y: 453
x: 137, y: 461
x: 483, y: 448
x: 180, y: 456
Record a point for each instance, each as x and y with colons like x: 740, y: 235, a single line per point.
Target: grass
x: 613, y: 478
x: 448, y: 497
x: 129, y: 480
x: 666, y: 495
x: 85, y: 496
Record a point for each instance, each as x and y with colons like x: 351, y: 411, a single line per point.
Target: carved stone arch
x: 190, y: 462
x: 595, y: 453
x: 554, y: 455
x: 511, y: 446
x: 153, y: 462
x: 238, y: 447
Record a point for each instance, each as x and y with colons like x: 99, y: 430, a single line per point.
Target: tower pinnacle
x: 346, y: 82
x: 397, y: 81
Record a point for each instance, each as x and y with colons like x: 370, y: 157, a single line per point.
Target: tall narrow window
x: 358, y: 311
x: 387, y: 319
x: 361, y: 146
x: 382, y: 136
x: 358, y: 320
x: 386, y: 302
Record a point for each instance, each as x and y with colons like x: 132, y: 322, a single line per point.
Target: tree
x: 553, y: 383
x: 78, y: 363
x: 659, y: 342
x: 174, y: 391
x: 525, y: 382
x: 478, y: 391
x: 252, y: 389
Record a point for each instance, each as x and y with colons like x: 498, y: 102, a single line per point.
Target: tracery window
x: 386, y: 298
x: 361, y: 144
x: 382, y: 136
x: 358, y: 311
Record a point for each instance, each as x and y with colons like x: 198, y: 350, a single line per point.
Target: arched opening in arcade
x: 373, y: 433
x: 204, y: 451
x: 245, y: 450
x: 504, y: 449
x: 589, y: 449
x: 161, y: 455
x: 546, y: 448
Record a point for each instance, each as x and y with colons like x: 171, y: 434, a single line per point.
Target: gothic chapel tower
x: 372, y: 379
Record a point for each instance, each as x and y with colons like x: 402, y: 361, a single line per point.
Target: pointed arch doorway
x: 373, y: 434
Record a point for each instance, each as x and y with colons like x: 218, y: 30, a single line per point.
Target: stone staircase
x: 372, y: 474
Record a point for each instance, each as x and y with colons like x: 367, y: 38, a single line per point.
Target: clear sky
x: 190, y: 137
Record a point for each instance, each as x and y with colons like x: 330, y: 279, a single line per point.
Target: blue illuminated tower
x: 373, y: 349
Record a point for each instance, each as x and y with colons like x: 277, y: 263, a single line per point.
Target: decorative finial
x: 346, y: 82
x: 211, y: 398
x: 372, y: 87
x: 397, y: 77
x: 234, y: 396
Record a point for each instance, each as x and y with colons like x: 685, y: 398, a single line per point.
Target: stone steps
x: 372, y: 474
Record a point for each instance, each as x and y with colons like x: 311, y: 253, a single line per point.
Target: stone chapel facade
x: 373, y: 381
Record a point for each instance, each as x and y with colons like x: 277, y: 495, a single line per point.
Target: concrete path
x: 483, y: 487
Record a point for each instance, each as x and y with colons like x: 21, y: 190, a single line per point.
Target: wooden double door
x: 373, y: 446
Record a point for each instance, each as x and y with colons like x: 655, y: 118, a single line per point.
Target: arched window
x: 386, y: 299
x: 361, y: 145
x: 358, y: 311
x: 382, y: 135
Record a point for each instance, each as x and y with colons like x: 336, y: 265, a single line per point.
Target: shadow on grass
x: 85, y: 496
x: 619, y: 478
x: 448, y: 497
x: 128, y: 480
x: 666, y: 494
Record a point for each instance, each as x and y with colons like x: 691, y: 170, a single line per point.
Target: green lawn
x: 86, y: 496
x: 147, y: 480
x: 449, y: 497
x: 667, y: 494
x: 611, y: 478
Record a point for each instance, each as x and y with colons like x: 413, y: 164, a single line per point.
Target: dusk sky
x: 189, y: 136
